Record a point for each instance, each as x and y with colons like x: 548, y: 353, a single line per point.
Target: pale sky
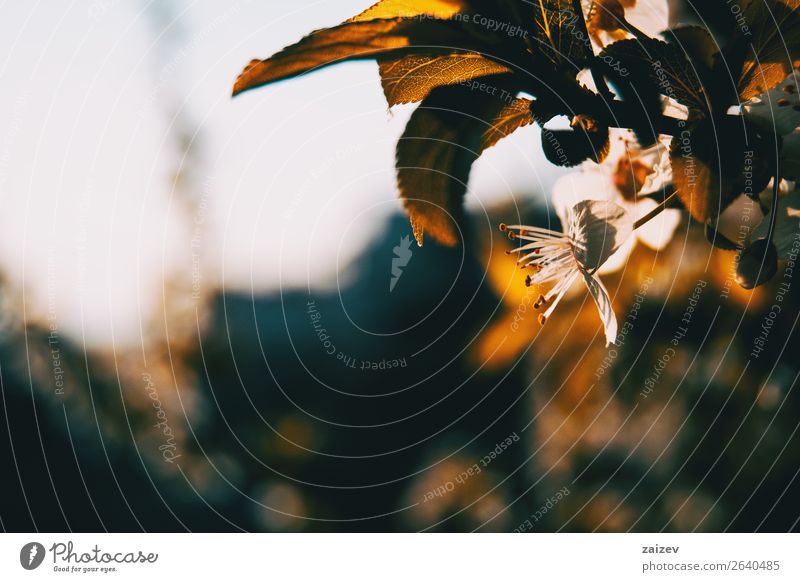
x: 295, y: 177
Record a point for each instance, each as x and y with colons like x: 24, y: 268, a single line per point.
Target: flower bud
x: 757, y: 264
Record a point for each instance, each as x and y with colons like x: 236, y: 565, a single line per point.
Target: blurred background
x: 212, y: 319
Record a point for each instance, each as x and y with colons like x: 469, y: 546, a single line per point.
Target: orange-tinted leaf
x: 697, y: 186
x: 514, y: 115
x: 443, y: 9
x: 410, y: 79
x: 716, y: 162
x: 357, y: 40
x: 434, y: 156
x: 772, y: 49
x: 560, y: 32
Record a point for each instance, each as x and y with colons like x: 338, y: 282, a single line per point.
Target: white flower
x: 649, y: 16
x: 593, y: 231
x: 778, y: 111
x: 604, y: 26
x: 622, y: 178
x: 787, y: 226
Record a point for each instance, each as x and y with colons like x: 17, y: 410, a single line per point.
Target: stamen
x: 535, y: 229
x: 559, y: 291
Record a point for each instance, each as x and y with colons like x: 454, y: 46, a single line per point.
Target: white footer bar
x: 400, y: 557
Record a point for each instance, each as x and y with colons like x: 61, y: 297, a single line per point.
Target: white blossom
x: 593, y: 231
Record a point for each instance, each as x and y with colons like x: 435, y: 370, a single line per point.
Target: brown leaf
x: 410, y: 79
x: 716, y: 162
x: 442, y: 9
x: 697, y: 186
x: 772, y: 49
x: 560, y: 33
x: 514, y: 115
x: 434, y: 156
x: 358, y: 40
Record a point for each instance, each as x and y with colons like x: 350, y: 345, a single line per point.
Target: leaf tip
x: 243, y: 81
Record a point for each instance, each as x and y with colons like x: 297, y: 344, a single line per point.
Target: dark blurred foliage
x: 275, y: 434
x: 271, y: 396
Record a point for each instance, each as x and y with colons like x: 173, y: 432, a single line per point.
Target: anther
x: 542, y: 319
x: 503, y: 227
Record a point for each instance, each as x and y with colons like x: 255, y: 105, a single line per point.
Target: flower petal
x: 619, y: 259
x: 597, y: 228
x: 787, y: 226
x: 649, y: 16
x: 598, y: 292
x: 657, y: 158
x: 779, y: 109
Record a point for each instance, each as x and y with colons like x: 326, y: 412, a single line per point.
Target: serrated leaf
x: 716, y: 162
x: 664, y: 65
x: 560, y: 33
x: 772, y: 46
x: 514, y: 115
x: 696, y: 185
x: 411, y: 78
x: 696, y: 43
x: 442, y: 9
x: 434, y: 156
x: 358, y: 40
